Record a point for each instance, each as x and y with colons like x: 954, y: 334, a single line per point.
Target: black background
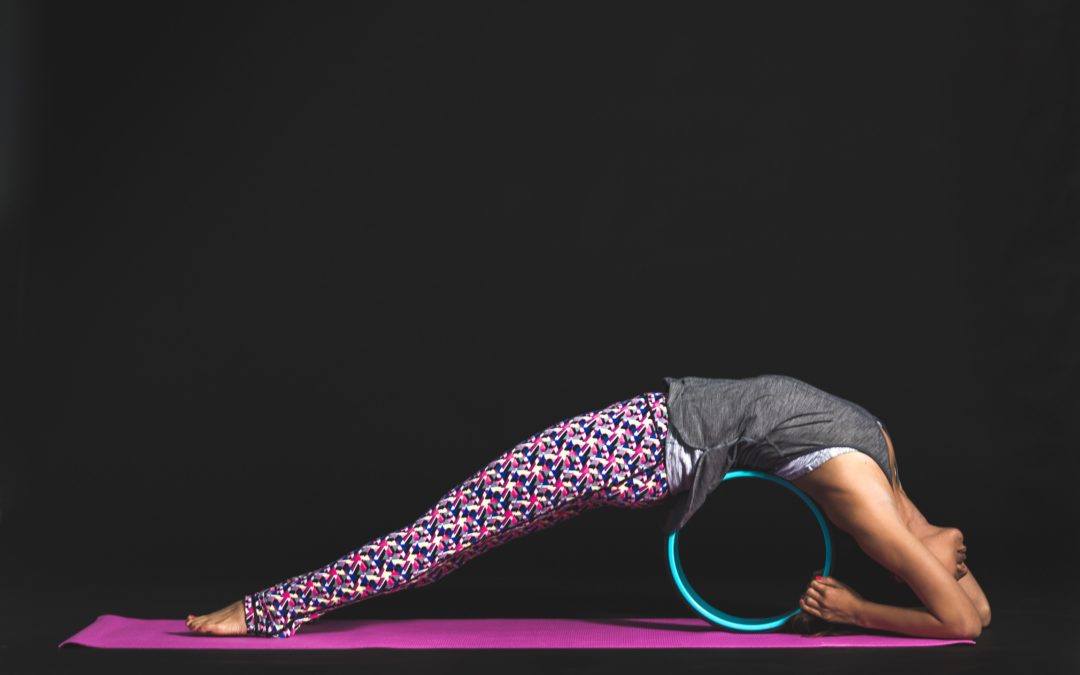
x: 276, y: 276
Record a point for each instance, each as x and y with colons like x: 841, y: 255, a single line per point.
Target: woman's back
x: 761, y: 423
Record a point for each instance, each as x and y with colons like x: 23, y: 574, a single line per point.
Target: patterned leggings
x: 613, y: 456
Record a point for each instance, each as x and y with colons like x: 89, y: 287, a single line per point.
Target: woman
x: 660, y: 448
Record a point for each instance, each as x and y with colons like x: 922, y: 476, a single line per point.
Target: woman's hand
x: 831, y: 600
x: 961, y: 564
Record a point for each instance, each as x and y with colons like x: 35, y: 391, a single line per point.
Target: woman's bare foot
x: 226, y: 621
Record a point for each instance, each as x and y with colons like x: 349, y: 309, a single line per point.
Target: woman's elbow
x: 965, y: 625
x: 975, y: 630
x: 969, y: 629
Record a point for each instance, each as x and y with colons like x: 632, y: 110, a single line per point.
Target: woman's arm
x: 918, y: 523
x: 916, y: 621
x: 881, y: 533
x: 832, y: 600
x: 976, y: 595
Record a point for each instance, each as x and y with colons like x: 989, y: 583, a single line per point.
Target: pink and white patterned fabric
x: 609, y: 457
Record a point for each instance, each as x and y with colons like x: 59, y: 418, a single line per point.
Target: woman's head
x: 805, y: 623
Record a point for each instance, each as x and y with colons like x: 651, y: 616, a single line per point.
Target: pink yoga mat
x: 110, y: 631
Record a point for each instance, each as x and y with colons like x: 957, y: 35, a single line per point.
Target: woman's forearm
x: 978, y: 598
x: 914, y: 621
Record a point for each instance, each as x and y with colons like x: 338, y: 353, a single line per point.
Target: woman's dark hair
x: 805, y: 623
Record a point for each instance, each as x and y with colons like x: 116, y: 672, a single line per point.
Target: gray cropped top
x: 760, y: 423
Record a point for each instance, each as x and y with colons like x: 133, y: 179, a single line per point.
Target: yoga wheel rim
x: 719, y: 617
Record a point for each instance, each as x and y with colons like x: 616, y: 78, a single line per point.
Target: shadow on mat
x: 654, y: 625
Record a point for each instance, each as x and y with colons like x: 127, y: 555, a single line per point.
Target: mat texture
x: 110, y: 631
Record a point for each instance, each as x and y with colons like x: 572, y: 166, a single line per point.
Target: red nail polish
x: 818, y: 577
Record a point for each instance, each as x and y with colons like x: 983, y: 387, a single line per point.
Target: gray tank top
x: 759, y: 423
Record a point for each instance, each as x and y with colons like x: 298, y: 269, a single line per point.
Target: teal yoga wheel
x: 724, y: 619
